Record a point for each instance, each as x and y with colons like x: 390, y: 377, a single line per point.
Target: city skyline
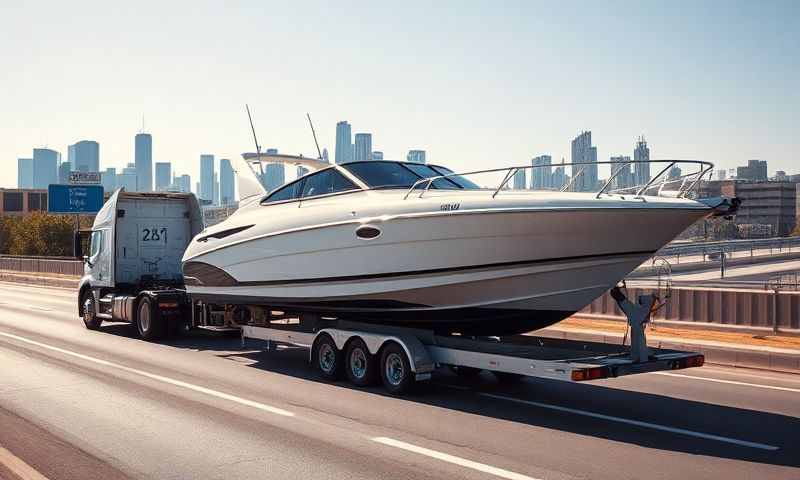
x: 727, y: 99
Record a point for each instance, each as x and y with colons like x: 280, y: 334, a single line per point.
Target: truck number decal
x: 154, y: 234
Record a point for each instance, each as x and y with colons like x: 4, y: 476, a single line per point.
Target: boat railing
x: 662, y: 183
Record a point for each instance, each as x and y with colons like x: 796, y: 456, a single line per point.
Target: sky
x: 475, y: 84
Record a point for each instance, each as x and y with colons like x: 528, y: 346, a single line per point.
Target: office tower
x: 84, y: 156
x: 583, y: 152
x: 45, y: 167
x: 274, y: 176
x: 206, y: 190
x: 185, y: 183
x: 559, y: 179
x: 63, y: 173
x: 325, y: 155
x: 344, y: 146
x: 24, y: 173
x: 624, y: 175
x: 197, y: 189
x: 416, y: 156
x: 227, y: 182
x: 363, y: 147
x: 163, y: 176
x: 215, y: 200
x: 542, y: 173
x: 519, y: 180
x: 641, y: 171
x: 108, y: 179
x: 720, y: 174
x: 272, y: 151
x: 377, y: 155
x: 755, y: 170
x: 143, y: 157
x: 127, y: 179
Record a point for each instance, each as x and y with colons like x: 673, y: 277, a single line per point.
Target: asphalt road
x: 81, y: 404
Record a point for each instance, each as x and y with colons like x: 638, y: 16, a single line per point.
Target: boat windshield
x: 387, y: 174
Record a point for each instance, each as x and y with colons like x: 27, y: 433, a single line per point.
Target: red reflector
x: 589, y: 374
x: 695, y: 361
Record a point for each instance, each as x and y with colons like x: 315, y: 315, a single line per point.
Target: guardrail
x: 57, y: 265
x: 757, y: 310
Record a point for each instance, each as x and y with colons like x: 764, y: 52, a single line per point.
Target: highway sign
x: 74, y: 198
x: 84, y: 178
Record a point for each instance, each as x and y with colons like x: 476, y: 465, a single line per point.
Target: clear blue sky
x: 473, y: 83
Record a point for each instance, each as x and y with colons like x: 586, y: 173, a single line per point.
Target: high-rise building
x: 301, y: 171
x: 127, y: 179
x: 84, y: 156
x: 344, y: 146
x: 215, y: 201
x: 325, y: 155
x: 45, y: 167
x: 641, y: 171
x: 519, y: 180
x: 227, y: 182
x: 24, y: 173
x: 377, y: 155
x: 143, y: 157
x: 184, y: 183
x: 108, y: 179
x: 63, y: 173
x: 362, y: 147
x: 416, y: 156
x: 560, y: 177
x: 623, y: 175
x: 756, y: 170
x: 583, y: 152
x: 163, y: 176
x: 274, y: 176
x: 206, y: 191
x: 542, y: 172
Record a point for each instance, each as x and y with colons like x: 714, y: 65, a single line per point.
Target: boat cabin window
x: 325, y: 182
x: 383, y: 174
x: 289, y: 192
x: 457, y: 179
x: 425, y: 171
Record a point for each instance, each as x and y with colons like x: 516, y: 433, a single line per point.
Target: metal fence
x: 57, y: 265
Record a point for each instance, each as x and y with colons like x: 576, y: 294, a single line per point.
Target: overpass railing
x: 52, y: 265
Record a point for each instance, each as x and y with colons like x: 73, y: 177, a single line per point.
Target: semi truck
x: 133, y: 274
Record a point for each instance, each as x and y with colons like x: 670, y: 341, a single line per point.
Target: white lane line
x: 171, y: 381
x: 463, y: 462
x: 638, y: 423
x: 18, y: 467
x: 731, y: 382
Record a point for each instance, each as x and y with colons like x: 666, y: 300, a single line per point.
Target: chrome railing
x: 688, y: 182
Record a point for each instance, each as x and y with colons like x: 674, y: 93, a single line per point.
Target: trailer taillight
x: 593, y: 373
x: 689, y: 362
x: 168, y: 305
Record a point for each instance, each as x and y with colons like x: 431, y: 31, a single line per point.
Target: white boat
x: 412, y: 244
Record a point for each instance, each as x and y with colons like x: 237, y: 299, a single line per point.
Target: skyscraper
x: 127, y: 179
x: 84, y: 156
x: 755, y: 170
x: 215, y: 201
x: 274, y: 176
x: 377, y: 155
x: 584, y: 152
x: 227, y: 180
x: 344, y: 146
x: 559, y: 178
x: 163, y: 176
x: 45, y: 167
x: 143, y: 156
x: 542, y: 173
x: 325, y: 155
x: 641, y: 171
x: 519, y: 180
x: 624, y: 178
x: 63, y: 173
x: 108, y: 179
x: 24, y: 173
x: 416, y: 156
x: 184, y: 183
x: 363, y: 147
x: 206, y: 192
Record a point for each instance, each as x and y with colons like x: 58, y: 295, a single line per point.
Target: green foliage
x: 37, y: 233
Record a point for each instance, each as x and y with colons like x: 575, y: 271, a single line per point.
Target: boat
x: 418, y: 245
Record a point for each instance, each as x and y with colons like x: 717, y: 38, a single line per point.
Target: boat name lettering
x: 446, y: 207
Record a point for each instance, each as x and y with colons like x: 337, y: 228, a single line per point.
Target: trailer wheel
x: 395, y: 369
x: 148, y: 322
x: 508, y: 378
x: 360, y: 364
x: 327, y: 358
x: 90, y: 318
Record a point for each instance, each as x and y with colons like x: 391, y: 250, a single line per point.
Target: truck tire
x: 360, y: 364
x: 395, y: 369
x: 327, y: 358
x: 148, y: 322
x: 90, y: 319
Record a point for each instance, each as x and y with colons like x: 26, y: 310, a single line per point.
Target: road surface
x: 77, y: 404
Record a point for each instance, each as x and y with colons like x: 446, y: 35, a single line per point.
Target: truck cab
x: 132, y: 272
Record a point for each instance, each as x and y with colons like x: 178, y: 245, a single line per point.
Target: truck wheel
x: 90, y: 318
x: 148, y: 322
x: 326, y: 358
x: 360, y: 364
x: 395, y: 369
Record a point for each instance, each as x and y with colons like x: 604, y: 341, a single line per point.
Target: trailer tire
x: 149, y: 324
x: 327, y: 358
x: 395, y: 369
x: 89, y: 311
x: 360, y: 364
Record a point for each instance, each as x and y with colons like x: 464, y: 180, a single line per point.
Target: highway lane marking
x: 25, y: 286
x: 160, y: 378
x: 18, y: 467
x: 463, y: 462
x: 638, y: 423
x: 732, y: 382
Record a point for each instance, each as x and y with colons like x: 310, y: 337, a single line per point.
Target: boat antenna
x: 255, y: 138
x: 311, y: 124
